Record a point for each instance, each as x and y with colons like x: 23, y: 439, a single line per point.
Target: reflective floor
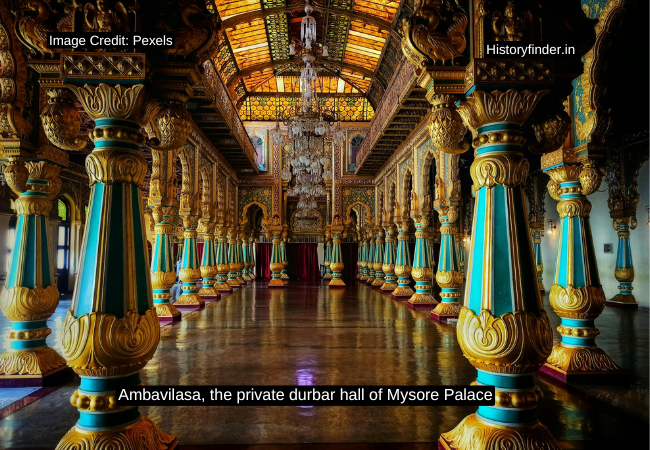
x: 307, y: 334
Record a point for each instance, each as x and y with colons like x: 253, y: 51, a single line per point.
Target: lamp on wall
x: 551, y: 226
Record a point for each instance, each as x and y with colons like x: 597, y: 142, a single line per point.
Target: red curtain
x: 199, y: 247
x: 303, y: 261
x: 349, y: 255
x: 263, y: 260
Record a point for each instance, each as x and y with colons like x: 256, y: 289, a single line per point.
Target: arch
x: 392, y: 197
x: 348, y: 217
x: 425, y: 179
x: 354, y: 145
x: 407, y: 187
x: 207, y: 210
x: 265, y: 212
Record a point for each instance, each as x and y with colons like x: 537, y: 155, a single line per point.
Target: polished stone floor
x: 307, y: 334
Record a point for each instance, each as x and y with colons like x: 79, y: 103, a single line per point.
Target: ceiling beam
x: 283, y: 62
x: 363, y: 17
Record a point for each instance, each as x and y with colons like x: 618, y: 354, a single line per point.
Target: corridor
x: 306, y: 334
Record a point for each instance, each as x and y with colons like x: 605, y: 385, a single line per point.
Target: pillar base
x: 234, y: 284
x: 422, y: 301
x: 223, y: 288
x: 167, y: 312
x: 388, y: 287
x: 327, y: 276
x: 247, y: 278
x: 378, y: 282
x: 241, y: 281
x: 370, y: 280
x: 33, y: 368
x: 582, y: 364
x: 623, y: 301
x: 189, y: 300
x: 445, y: 311
x: 209, y: 294
x: 474, y: 434
x: 402, y: 292
x: 142, y: 434
x: 363, y: 277
x: 336, y: 283
x: 276, y: 283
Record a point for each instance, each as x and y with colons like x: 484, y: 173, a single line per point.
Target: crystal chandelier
x: 309, y: 126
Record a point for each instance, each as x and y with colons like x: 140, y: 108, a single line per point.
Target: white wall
x: 604, y: 233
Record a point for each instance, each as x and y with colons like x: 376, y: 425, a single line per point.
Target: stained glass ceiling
x: 253, y: 55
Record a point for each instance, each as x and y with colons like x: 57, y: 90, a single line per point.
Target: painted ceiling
x: 262, y: 78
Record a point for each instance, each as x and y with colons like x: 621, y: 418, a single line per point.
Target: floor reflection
x: 307, y: 334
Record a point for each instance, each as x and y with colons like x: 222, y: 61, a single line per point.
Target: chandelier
x: 309, y: 126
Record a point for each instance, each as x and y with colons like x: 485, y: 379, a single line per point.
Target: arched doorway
x: 63, y: 245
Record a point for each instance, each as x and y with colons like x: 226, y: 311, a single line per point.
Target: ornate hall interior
x: 325, y: 193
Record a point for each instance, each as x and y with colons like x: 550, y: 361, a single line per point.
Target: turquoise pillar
x: 421, y: 270
x: 337, y: 260
x: 163, y: 273
x: 448, y: 275
x: 402, y: 259
x: 209, y: 265
x: 371, y: 259
x: 111, y: 330
x: 390, y: 283
x: 30, y: 295
x: 276, y: 261
x: 328, y: 259
x: 537, y: 249
x: 576, y: 295
x: 233, y: 260
x: 502, y: 328
x: 624, y: 271
x: 190, y: 273
x: 379, y: 259
x: 222, y: 262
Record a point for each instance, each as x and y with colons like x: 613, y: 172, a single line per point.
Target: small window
x: 355, y: 146
x: 63, y: 210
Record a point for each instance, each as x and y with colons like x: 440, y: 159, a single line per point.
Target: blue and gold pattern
x: 223, y: 266
x: 624, y: 271
x: 276, y: 265
x: 336, y: 230
x: 233, y: 259
x: 576, y: 295
x: 390, y: 283
x: 421, y: 270
x: 163, y: 275
x: 503, y: 329
x: 111, y: 330
x: 449, y: 275
x: 30, y: 296
x: 208, y: 263
x: 379, y: 258
x: 402, y: 257
x: 190, y: 273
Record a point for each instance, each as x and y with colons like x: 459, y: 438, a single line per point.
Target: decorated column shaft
x: 246, y: 254
x: 448, y: 276
x: 390, y: 283
x: 363, y: 267
x: 402, y: 257
x: 421, y: 271
x: 276, y: 258
x: 461, y: 256
x: 285, y: 262
x: 111, y: 330
x: 503, y: 329
x: 222, y: 262
x: 537, y: 249
x: 328, y: 259
x: 163, y: 273
x: 233, y: 260
x: 337, y: 261
x: 30, y: 296
x: 576, y: 295
x: 624, y: 271
x: 240, y: 259
x: 251, y: 258
x: 359, y: 254
x: 190, y: 273
x: 209, y: 264
x: 371, y: 258
x: 379, y: 258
